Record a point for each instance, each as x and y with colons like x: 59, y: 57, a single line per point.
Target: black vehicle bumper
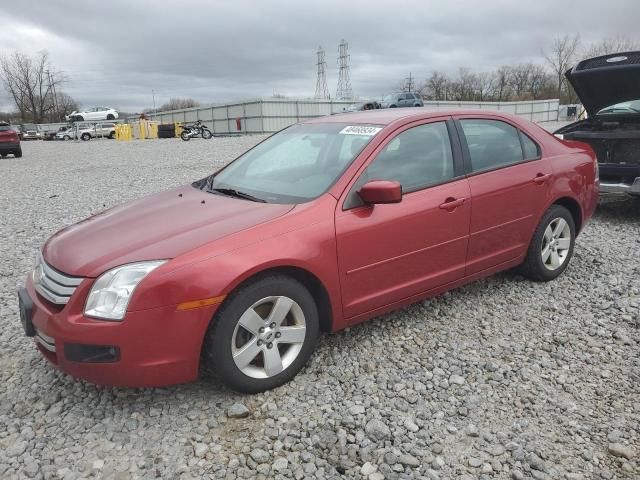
x: 620, y: 178
x: 8, y: 147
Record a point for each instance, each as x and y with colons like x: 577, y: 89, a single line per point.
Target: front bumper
x: 155, y: 347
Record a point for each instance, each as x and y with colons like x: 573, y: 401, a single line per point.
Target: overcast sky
x: 116, y: 52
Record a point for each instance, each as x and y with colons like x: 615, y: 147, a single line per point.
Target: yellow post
x: 178, y: 128
x: 153, y: 130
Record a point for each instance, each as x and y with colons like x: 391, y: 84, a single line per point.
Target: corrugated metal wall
x: 271, y: 115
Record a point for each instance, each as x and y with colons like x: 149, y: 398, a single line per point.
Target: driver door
x: 387, y: 253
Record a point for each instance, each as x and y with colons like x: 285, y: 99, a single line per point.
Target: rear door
x: 510, y: 186
x: 387, y: 253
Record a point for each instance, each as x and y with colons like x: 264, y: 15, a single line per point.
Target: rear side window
x: 491, y: 144
x: 531, y: 149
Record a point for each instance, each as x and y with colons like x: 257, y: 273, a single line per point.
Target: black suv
x: 609, y: 89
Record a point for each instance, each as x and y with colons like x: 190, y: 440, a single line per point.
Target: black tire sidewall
x: 185, y: 136
x: 535, y: 258
x: 217, y: 352
x: 85, y: 136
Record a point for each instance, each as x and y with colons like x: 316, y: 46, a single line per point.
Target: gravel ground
x: 503, y: 378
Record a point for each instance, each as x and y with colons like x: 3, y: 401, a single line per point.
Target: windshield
x: 295, y: 165
x: 389, y: 98
x: 631, y: 107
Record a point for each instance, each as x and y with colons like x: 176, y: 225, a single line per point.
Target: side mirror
x: 381, y: 191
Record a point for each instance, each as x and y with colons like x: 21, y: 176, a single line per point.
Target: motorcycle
x: 198, y: 129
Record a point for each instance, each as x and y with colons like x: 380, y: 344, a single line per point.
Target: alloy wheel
x: 556, y: 243
x: 268, y: 337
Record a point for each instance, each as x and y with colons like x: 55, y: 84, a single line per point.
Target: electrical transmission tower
x: 344, y: 91
x: 321, y: 83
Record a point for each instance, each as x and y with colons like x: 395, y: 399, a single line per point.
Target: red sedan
x: 321, y: 226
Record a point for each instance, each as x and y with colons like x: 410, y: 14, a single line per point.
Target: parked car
x: 97, y: 130
x: 359, y: 106
x: 319, y: 227
x: 95, y: 113
x: 66, y: 132
x: 396, y: 100
x: 52, y: 134
x: 30, y: 132
x: 609, y: 88
x: 9, y: 141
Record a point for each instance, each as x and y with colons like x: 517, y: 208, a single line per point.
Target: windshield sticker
x: 360, y: 130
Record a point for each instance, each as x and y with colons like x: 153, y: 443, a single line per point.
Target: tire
x: 4, y: 155
x: 206, y: 134
x: 226, y: 337
x: 85, y: 136
x: 543, y: 262
x: 185, y: 136
x: 112, y: 135
x: 110, y: 117
x: 393, y: 106
x: 79, y: 118
x: 66, y: 137
x: 18, y: 153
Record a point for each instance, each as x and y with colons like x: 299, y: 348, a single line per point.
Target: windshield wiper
x: 236, y: 193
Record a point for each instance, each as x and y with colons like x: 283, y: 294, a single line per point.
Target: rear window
x: 4, y: 128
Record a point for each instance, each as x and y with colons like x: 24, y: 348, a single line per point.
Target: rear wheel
x: 110, y: 117
x: 85, y: 137
x: 18, y: 153
x: 263, y: 334
x: 112, y: 135
x: 552, y: 245
x: 79, y: 118
x: 206, y: 134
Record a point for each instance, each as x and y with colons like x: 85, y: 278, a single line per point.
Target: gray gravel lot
x: 503, y: 378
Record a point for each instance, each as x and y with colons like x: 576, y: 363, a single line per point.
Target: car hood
x: 604, y: 81
x: 160, y: 226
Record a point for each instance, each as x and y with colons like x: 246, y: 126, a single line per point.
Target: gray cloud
x: 116, y: 52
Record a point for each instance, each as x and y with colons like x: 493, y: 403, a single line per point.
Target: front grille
x: 54, y: 285
x: 628, y: 58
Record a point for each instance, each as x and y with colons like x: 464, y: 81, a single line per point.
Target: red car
x: 321, y: 226
x: 9, y: 141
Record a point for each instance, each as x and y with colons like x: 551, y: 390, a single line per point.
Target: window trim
x: 522, y: 134
x: 456, y: 156
x: 467, y: 155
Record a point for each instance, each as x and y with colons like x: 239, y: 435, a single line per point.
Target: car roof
x: 387, y: 116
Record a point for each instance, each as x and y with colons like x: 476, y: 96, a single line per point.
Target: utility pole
x: 52, y: 89
x: 409, y: 83
x: 344, y: 91
x: 322, y: 92
x: 153, y: 94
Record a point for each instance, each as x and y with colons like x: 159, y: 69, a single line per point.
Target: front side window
x: 491, y: 144
x: 415, y: 158
x: 295, y: 165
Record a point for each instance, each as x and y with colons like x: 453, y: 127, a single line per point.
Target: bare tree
x: 484, y: 85
x: 65, y: 106
x: 30, y: 82
x: 519, y: 80
x: 616, y: 44
x: 561, y: 56
x: 179, y: 104
x: 502, y: 89
x: 435, y: 87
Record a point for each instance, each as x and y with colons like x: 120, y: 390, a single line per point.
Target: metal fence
x: 271, y: 115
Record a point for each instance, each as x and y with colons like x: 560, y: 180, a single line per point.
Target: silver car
x: 396, y: 100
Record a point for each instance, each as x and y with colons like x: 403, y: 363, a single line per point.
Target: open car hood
x: 604, y: 81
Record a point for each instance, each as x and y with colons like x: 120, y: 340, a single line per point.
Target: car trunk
x: 616, y: 142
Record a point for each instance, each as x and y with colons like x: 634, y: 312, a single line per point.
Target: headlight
x: 111, y: 292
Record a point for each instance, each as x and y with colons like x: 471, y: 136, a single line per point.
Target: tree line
x: 35, y: 88
x: 525, y: 81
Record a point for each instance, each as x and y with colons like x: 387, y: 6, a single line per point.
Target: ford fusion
x: 319, y: 227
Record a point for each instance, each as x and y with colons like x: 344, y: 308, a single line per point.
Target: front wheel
x: 551, y: 247
x: 110, y: 117
x: 85, y: 137
x: 185, y: 136
x: 206, y: 134
x: 262, y: 335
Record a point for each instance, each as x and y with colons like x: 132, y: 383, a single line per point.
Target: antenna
x: 322, y: 92
x: 343, y: 91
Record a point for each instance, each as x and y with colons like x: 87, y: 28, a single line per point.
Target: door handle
x: 541, y: 178
x: 452, y: 203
